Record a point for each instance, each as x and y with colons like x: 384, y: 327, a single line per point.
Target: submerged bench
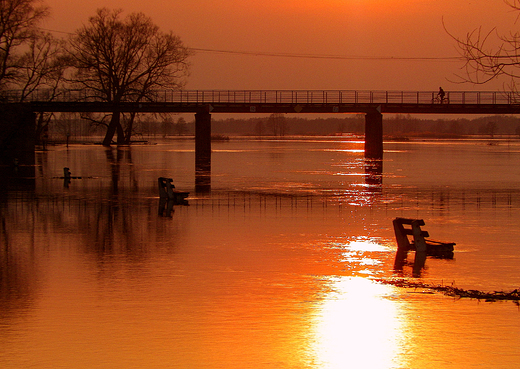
x: 167, y: 191
x: 419, y: 242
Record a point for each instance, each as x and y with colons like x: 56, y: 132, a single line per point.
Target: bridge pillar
x: 17, y: 146
x: 374, y: 135
x: 202, y: 151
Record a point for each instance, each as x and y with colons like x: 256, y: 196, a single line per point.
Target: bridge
x: 284, y: 101
x: 204, y: 103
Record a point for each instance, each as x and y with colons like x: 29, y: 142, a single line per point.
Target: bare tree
x: 278, y: 124
x: 121, y: 60
x: 29, y: 58
x: 42, y: 66
x: 18, y: 22
x: 41, y: 72
x: 490, y: 54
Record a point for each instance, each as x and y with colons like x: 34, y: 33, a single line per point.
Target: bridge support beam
x: 17, y: 146
x: 202, y: 151
x: 374, y: 135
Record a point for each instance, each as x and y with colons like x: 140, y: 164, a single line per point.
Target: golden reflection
x: 366, y: 246
x: 358, y: 326
x: 364, y: 256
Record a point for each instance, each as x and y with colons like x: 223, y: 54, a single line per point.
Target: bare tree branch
x: 124, y: 60
x: 18, y: 22
x: 490, y: 55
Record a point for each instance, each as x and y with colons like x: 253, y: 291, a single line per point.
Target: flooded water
x: 275, y: 267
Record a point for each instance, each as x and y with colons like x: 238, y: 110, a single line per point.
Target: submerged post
x: 203, y: 151
x: 374, y: 135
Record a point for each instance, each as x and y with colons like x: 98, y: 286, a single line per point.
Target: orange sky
x: 367, y: 28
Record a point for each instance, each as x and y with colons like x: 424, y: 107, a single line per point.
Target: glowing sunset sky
x: 347, y: 28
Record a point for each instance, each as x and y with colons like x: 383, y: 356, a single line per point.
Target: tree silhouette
x: 120, y: 60
x: 30, y: 59
x: 489, y: 55
x: 18, y: 26
x: 277, y: 124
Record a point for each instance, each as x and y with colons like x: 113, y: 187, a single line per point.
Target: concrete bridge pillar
x: 374, y: 135
x: 202, y: 151
x: 17, y: 144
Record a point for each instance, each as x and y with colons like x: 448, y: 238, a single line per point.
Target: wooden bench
x: 419, y: 242
x: 167, y: 191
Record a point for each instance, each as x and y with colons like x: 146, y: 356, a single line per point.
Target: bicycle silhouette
x: 440, y: 100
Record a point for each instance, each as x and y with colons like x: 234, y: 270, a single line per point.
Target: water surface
x: 273, y: 268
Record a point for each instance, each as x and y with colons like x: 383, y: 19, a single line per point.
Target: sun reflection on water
x: 364, y: 256
x: 358, y: 326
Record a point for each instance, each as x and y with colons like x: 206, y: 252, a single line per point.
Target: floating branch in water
x: 456, y: 292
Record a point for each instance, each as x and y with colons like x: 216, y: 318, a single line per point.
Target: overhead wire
x: 325, y: 56
x: 312, y: 56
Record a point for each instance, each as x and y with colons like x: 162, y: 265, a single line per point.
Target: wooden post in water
x: 374, y: 134
x: 203, y: 151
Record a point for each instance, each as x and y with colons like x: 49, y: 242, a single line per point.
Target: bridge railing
x: 334, y: 97
x: 285, y: 97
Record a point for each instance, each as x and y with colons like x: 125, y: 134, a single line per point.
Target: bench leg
x: 403, y: 245
x: 420, y: 249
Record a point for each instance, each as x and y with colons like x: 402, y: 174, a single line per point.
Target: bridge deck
x: 286, y: 101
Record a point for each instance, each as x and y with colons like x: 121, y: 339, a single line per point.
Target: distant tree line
x: 408, y: 126
x: 277, y: 125
x: 397, y: 125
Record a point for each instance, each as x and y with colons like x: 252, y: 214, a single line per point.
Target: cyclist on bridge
x: 441, y: 94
